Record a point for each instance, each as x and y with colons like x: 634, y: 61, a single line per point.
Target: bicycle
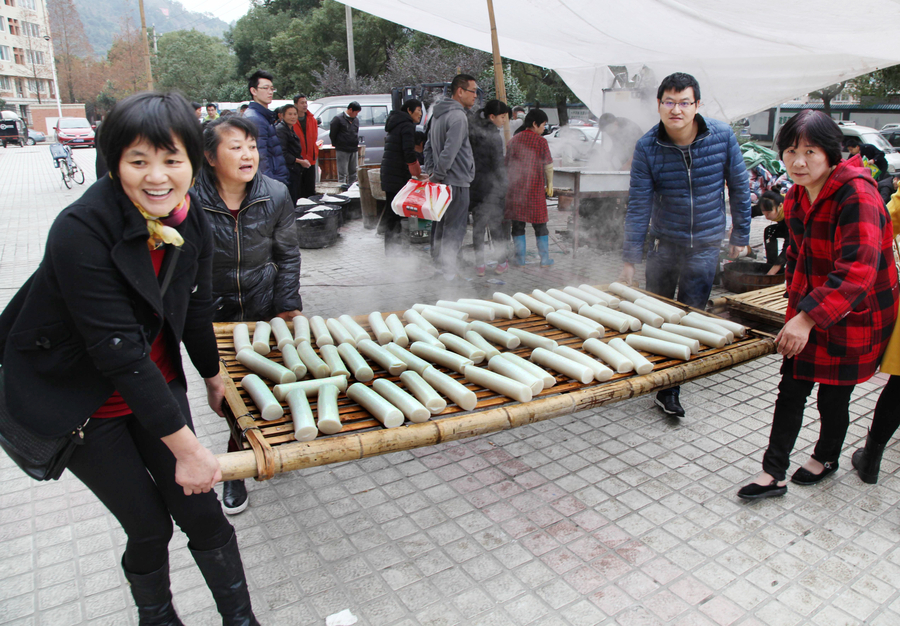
x: 68, y: 169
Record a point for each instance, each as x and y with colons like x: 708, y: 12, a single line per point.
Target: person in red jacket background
x: 308, y: 131
x: 841, y: 285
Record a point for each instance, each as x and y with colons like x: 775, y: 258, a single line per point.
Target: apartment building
x: 26, y: 72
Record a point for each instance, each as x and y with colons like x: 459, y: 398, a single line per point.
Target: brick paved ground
x: 610, y: 516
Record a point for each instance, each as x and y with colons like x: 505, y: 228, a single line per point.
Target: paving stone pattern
x: 610, y: 516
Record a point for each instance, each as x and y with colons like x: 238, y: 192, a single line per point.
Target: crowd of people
x: 195, y: 223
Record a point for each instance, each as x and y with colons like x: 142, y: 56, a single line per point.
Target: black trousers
x: 540, y: 230
x: 390, y: 224
x: 133, y: 474
x: 834, y: 418
x: 887, y: 412
x: 307, y: 181
x: 487, y: 215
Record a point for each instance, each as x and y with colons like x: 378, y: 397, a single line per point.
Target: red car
x: 74, y: 131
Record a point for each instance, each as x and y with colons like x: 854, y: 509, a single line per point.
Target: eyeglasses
x: 669, y: 104
x: 472, y: 90
x: 269, y: 88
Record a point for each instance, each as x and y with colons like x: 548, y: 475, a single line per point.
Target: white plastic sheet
x: 747, y: 56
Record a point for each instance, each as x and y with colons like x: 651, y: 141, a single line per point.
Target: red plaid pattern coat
x: 840, y: 270
x: 526, y: 155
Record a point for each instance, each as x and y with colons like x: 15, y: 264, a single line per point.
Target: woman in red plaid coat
x: 530, y: 173
x: 842, y: 296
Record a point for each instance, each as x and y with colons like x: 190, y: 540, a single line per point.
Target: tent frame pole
x: 499, y: 83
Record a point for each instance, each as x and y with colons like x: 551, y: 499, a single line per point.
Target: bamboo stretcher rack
x: 767, y: 305
x: 270, y: 447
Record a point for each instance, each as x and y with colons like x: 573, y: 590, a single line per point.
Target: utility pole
x: 499, y: 83
x: 146, y: 45
x: 55, y: 81
x: 155, y: 39
x: 351, y: 58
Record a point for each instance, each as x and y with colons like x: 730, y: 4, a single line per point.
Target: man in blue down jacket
x: 271, y: 159
x: 678, y: 178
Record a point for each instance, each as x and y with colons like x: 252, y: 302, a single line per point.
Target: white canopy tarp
x: 747, y: 56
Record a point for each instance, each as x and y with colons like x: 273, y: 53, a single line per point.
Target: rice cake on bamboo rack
x: 270, y: 446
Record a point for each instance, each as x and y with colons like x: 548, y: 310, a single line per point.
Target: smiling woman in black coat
x: 92, y: 340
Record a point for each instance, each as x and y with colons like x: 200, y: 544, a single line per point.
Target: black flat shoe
x: 234, y: 497
x: 668, y: 401
x: 804, y: 477
x: 755, y: 492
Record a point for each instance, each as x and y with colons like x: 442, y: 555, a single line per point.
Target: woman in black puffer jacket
x: 398, y: 164
x: 256, y: 261
x: 487, y: 192
x: 256, y: 268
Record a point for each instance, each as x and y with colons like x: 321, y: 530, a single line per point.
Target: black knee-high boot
x: 867, y: 461
x: 153, y: 597
x: 224, y: 573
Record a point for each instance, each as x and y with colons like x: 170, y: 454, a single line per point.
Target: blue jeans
x: 690, y: 270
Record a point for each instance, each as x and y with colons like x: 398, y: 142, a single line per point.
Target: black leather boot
x: 867, y: 461
x: 224, y: 574
x: 153, y: 597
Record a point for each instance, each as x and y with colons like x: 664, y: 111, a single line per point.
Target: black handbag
x: 41, y: 458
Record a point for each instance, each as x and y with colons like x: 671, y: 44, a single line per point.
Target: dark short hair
x: 605, y: 120
x: 421, y: 137
x: 253, y: 81
x: 298, y: 96
x: 354, y: 106
x: 411, y: 105
x: 816, y: 128
x: 496, y: 107
x: 288, y: 106
x: 245, y: 106
x: 518, y: 109
x: 153, y: 116
x: 852, y: 142
x: 196, y: 105
x: 460, y: 81
x: 534, y: 117
x: 212, y: 135
x: 210, y: 104
x: 770, y: 200
x: 679, y: 81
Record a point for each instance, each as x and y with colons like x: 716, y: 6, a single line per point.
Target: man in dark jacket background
x: 678, y: 178
x: 344, y: 136
x: 271, y: 159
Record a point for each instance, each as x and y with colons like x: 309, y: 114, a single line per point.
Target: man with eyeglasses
x: 678, y: 177
x: 449, y: 160
x: 271, y: 158
x: 344, y: 136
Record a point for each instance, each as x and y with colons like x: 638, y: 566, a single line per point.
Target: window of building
x: 14, y: 27
x: 35, y: 57
x: 28, y: 4
x: 5, y: 83
x: 10, y: 3
x: 5, y: 53
x: 2, y: 24
x: 19, y: 55
x: 31, y: 29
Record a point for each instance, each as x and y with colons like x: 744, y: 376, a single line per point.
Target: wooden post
x: 499, y: 83
x: 146, y: 45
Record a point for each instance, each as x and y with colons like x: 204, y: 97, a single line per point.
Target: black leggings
x: 887, y: 412
x: 540, y: 230
x: 133, y: 474
x: 834, y: 418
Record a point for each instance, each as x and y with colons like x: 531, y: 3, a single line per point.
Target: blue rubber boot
x: 519, y: 243
x: 543, y: 246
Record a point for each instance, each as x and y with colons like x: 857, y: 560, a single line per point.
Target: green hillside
x: 103, y: 18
